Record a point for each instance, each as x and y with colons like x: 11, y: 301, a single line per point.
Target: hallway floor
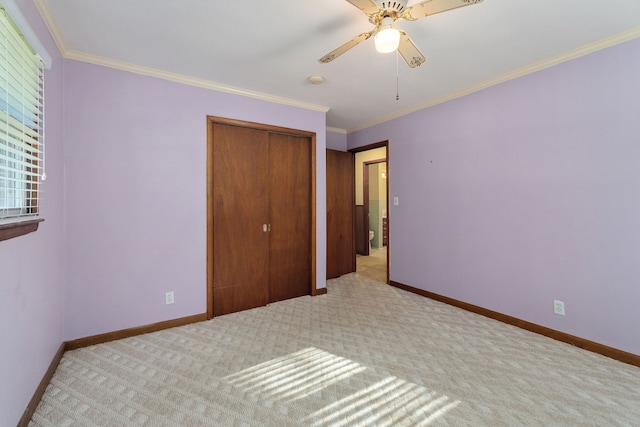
x: 373, y: 266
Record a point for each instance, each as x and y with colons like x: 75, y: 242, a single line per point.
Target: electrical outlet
x: 168, y: 297
x: 558, y: 307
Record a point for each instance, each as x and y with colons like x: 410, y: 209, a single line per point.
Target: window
x: 21, y: 127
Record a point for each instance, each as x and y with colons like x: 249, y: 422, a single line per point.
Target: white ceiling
x: 269, y: 48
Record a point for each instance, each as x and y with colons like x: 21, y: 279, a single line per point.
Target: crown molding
x: 165, y: 75
x: 187, y: 80
x: 336, y: 130
x: 207, y: 84
x: 538, y: 66
x: 43, y: 9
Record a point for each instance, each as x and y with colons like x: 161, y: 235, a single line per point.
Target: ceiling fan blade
x: 431, y: 7
x: 345, y: 47
x: 410, y: 52
x: 367, y: 6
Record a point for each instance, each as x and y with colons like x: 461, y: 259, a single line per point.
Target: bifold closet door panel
x: 290, y: 213
x: 240, y: 208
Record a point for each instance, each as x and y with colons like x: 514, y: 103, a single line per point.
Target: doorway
x: 371, y: 211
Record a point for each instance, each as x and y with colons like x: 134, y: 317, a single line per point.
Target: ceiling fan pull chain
x: 397, y: 77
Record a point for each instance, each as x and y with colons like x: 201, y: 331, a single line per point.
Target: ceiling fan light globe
x: 387, y: 40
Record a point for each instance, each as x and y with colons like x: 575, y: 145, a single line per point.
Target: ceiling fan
x: 383, y: 14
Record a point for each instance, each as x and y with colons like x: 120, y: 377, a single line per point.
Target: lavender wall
x: 31, y: 266
x: 527, y: 192
x: 135, y: 151
x: 337, y: 141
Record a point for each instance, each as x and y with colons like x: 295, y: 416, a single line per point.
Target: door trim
x: 365, y: 197
x: 367, y: 148
x: 211, y: 120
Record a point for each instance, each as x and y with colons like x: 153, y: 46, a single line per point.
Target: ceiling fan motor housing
x: 396, y: 6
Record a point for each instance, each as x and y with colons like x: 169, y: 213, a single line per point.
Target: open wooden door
x: 341, y: 255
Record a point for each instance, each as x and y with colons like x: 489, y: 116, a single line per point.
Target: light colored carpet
x: 374, y: 265
x: 365, y: 354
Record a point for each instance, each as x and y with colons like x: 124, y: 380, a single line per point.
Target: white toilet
x: 370, y: 239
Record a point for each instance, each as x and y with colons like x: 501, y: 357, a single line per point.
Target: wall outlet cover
x: 168, y: 298
x: 558, y: 307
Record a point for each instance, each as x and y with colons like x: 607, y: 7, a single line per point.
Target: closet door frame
x: 211, y: 120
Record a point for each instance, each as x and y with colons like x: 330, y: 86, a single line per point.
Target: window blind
x: 21, y: 123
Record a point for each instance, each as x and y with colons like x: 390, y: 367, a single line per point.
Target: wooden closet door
x: 240, y: 208
x: 290, y: 214
x: 341, y: 254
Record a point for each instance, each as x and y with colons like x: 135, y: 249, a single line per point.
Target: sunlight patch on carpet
x: 296, y: 375
x: 371, y: 399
